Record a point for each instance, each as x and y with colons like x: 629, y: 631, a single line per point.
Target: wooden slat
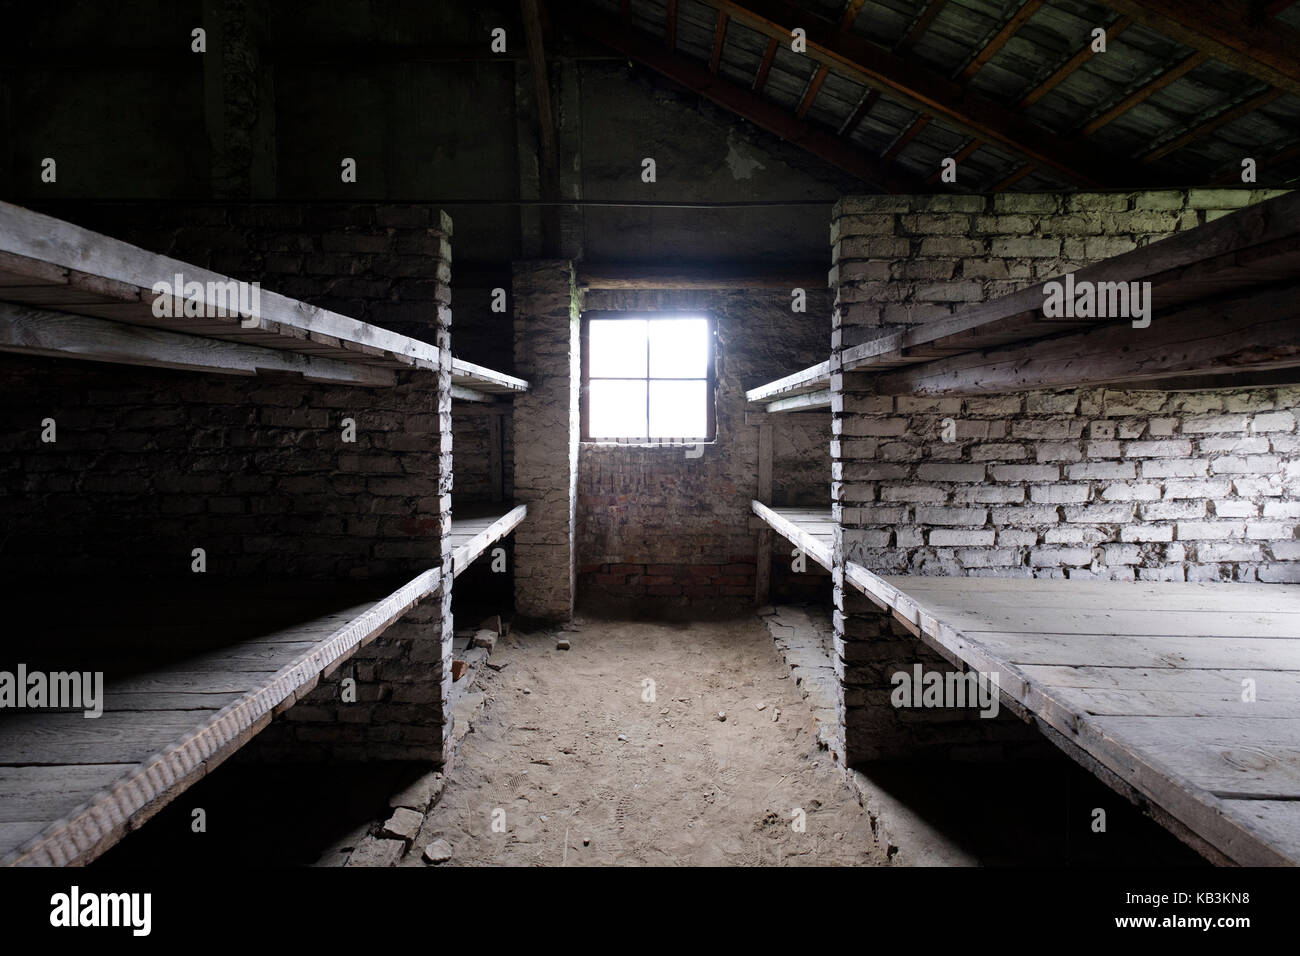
x: 764, y: 66
x: 811, y: 379
x: 31, y: 331
x: 107, y: 264
x: 470, y: 537
x: 808, y: 402
x: 811, y: 532
x: 482, y: 379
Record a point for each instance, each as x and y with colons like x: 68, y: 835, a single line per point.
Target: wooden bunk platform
x: 1225, y: 300
x: 181, y: 693
x: 1145, y: 685
x: 70, y: 291
x: 812, y: 530
x: 475, y: 532
x: 805, y: 390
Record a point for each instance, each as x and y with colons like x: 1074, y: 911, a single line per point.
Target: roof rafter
x: 999, y: 40
x: 1144, y: 92
x: 1118, y: 26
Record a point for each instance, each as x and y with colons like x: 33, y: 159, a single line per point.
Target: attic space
x: 854, y: 433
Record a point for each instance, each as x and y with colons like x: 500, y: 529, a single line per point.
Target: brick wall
x: 1112, y: 483
x: 656, y: 525
x: 151, y: 463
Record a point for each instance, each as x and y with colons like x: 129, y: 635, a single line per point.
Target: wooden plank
x: 1237, y: 757
x: 812, y: 401
x: 470, y: 538
x: 483, y: 379
x: 811, y: 379
x: 25, y: 234
x: 30, y: 331
x: 1250, y: 331
x: 802, y: 535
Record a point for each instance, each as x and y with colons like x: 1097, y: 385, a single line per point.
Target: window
x: 647, y: 378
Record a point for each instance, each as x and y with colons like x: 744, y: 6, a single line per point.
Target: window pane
x: 617, y: 348
x: 678, y: 409
x: 679, y: 348
x: 616, y: 409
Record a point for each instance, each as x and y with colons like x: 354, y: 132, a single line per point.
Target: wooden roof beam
x: 1254, y: 330
x: 926, y: 91
x: 1117, y: 27
x: 919, y: 26
x: 765, y: 67
x: 1225, y: 31
x: 696, y: 77
x: 859, y: 112
x: 1027, y: 10
x: 670, y: 27
x: 719, y: 38
x: 810, y: 94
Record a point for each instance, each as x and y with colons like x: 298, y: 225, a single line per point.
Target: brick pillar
x: 546, y: 436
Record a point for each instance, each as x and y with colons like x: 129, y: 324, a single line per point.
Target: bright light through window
x: 648, y: 379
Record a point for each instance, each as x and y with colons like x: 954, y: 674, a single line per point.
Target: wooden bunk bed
x: 71, y: 787
x: 1141, y: 683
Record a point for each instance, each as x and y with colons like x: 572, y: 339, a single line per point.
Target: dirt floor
x: 583, y: 769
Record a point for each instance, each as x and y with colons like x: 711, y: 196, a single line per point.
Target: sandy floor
x: 682, y: 788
